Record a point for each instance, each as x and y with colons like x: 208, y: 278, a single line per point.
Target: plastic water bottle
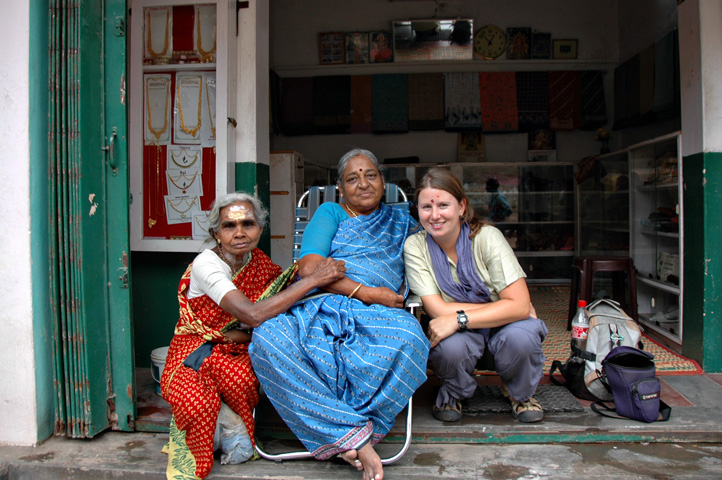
x: 580, y: 326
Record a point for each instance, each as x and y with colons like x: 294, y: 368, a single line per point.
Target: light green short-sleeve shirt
x: 495, y: 261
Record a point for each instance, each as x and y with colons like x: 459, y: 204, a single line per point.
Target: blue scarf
x: 471, y: 288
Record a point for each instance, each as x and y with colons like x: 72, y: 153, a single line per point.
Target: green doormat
x: 489, y: 399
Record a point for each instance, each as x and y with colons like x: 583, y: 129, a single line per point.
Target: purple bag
x: 631, y: 375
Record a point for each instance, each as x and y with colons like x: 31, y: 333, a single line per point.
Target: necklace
x: 187, y: 184
x: 202, y: 224
x: 183, y: 200
x: 219, y: 252
x: 158, y: 188
x: 165, y: 84
x: 151, y: 221
x: 184, y: 163
x: 190, y: 131
x: 350, y: 211
x: 206, y: 55
x: 152, y: 52
x: 210, y: 114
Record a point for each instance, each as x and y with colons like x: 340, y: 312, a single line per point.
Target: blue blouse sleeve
x: 324, y: 225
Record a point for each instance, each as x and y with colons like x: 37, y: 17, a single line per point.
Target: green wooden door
x: 88, y: 218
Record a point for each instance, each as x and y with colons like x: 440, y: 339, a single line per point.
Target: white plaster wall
x: 252, y: 98
x: 294, y: 53
x: 690, y: 73
x: 643, y: 22
x: 295, y: 25
x: 609, y: 31
x: 710, y: 20
x: 18, y: 417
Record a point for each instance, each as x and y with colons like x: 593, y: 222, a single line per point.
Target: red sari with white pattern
x: 195, y: 396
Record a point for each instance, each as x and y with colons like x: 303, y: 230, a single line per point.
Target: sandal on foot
x: 529, y: 411
x: 451, y: 412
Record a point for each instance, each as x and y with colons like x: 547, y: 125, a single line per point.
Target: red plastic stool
x: 583, y: 270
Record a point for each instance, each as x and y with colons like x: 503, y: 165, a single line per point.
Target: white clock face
x: 490, y: 42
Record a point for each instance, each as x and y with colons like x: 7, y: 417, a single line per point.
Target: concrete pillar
x: 700, y: 40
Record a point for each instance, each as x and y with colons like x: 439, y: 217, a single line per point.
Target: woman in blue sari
x: 341, y: 365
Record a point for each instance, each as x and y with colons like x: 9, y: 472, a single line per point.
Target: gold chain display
x: 158, y: 187
x: 186, y: 185
x: 190, y: 131
x: 203, y: 225
x: 206, y: 55
x: 174, y: 158
x: 152, y: 221
x: 183, y: 200
x: 152, y: 52
x: 157, y: 133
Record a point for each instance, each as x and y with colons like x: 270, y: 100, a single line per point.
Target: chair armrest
x: 413, y: 301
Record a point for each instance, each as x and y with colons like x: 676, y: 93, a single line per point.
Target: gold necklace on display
x: 152, y: 52
x: 158, y: 187
x: 184, y: 187
x: 183, y: 212
x: 210, y: 114
x: 206, y: 55
x: 157, y: 133
x: 151, y: 221
x: 350, y: 211
x: 190, y: 131
x: 204, y: 227
x: 184, y: 152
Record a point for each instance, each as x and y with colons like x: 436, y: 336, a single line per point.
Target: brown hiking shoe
x: 529, y: 411
x: 451, y: 412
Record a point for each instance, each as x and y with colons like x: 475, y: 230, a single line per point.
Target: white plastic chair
x: 307, y: 205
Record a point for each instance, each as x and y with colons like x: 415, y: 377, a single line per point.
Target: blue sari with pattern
x: 339, y: 371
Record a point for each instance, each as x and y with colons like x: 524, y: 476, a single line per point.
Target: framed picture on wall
x: 470, y: 146
x: 381, y: 47
x: 357, y: 47
x: 518, y: 43
x: 331, y: 48
x: 565, y: 49
x: 541, y: 45
x: 542, y: 139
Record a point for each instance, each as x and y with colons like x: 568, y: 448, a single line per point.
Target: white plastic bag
x: 231, y: 437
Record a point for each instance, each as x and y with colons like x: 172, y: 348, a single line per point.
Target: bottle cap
x: 582, y: 303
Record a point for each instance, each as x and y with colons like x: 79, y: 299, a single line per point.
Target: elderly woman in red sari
x: 226, y: 291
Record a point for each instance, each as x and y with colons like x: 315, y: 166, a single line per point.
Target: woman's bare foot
x: 371, y: 463
x: 351, y: 456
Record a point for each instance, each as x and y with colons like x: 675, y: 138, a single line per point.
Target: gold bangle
x: 355, y: 290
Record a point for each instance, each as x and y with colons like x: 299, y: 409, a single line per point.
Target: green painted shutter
x: 87, y: 218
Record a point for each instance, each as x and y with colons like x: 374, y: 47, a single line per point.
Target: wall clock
x: 489, y: 42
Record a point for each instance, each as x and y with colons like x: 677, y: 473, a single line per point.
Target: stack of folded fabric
x: 663, y: 220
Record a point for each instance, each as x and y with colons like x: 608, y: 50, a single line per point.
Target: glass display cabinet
x: 656, y: 237
x: 539, y: 220
x: 180, y: 59
x: 603, y: 204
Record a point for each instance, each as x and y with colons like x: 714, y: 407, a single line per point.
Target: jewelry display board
x: 178, y: 166
x: 178, y: 175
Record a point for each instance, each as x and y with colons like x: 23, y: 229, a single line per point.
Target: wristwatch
x: 463, y: 320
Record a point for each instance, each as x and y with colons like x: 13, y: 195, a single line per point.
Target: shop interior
x: 421, y: 83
